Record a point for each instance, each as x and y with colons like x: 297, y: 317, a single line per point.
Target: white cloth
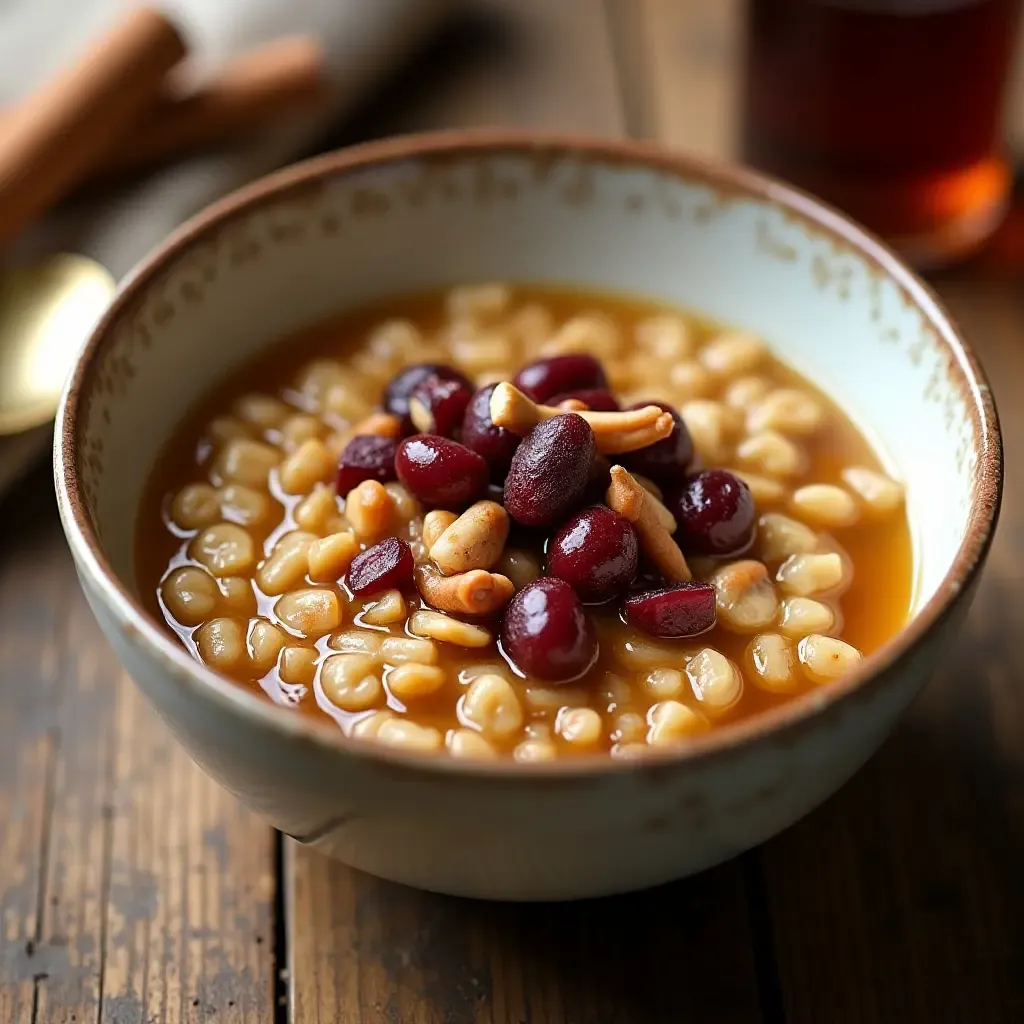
x: 362, y: 39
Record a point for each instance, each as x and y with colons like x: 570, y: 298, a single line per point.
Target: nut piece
x: 476, y: 592
x: 629, y: 499
x: 825, y: 658
x: 729, y: 355
x: 265, y: 643
x: 447, y: 630
x: 662, y: 683
x: 434, y: 524
x: 330, y: 557
x: 744, y: 596
x: 773, y: 663
x: 614, y: 432
x: 406, y: 735
x: 189, y: 594
x: 474, y: 541
x: 826, y: 505
x: 195, y: 506
x: 880, y: 495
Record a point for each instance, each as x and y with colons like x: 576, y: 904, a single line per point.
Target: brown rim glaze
x: 782, y: 724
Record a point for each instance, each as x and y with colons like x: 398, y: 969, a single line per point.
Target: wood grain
x: 132, y: 889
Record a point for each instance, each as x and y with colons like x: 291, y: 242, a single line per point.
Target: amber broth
x: 874, y: 607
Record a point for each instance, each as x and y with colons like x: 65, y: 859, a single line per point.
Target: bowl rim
x: 780, y: 724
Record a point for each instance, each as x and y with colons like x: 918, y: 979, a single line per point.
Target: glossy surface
x: 544, y: 379
x: 716, y: 514
x: 680, y: 611
x: 385, y: 566
x: 479, y: 433
x: 546, y: 634
x: 400, y: 388
x: 596, y: 552
x: 440, y: 471
x: 666, y: 461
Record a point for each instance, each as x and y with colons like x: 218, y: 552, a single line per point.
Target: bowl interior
x: 395, y: 219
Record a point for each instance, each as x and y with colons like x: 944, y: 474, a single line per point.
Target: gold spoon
x: 55, y: 138
x: 46, y: 311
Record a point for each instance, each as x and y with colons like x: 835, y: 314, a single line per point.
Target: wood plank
x: 362, y: 950
x: 34, y: 582
x: 190, y: 917
x: 132, y: 888
x: 378, y: 953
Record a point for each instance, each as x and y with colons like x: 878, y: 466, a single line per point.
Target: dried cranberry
x: 596, y: 551
x: 546, y: 633
x: 549, y: 471
x: 440, y: 471
x: 679, y: 610
x: 386, y: 566
x: 715, y: 512
x: 595, y: 399
x: 546, y: 378
x: 666, y: 461
x: 496, y: 444
x: 366, y: 457
x: 401, y: 386
x: 439, y: 403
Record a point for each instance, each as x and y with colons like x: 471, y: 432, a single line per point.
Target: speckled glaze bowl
x: 424, y: 212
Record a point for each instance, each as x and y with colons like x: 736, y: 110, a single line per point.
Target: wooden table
x: 133, y: 890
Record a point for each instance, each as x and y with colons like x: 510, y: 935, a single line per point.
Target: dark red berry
x: 386, y: 566
x: 366, y: 457
x: 715, y: 512
x: 598, y: 479
x: 546, y: 633
x: 496, y: 444
x: 596, y: 552
x: 550, y: 470
x: 595, y: 399
x: 440, y: 471
x: 546, y: 378
x: 679, y: 610
x: 437, y: 404
x: 666, y: 461
x: 401, y: 386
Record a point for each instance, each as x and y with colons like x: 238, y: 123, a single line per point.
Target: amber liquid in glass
x: 889, y: 109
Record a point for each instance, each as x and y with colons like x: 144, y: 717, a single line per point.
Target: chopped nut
x: 329, y: 557
x: 744, y: 596
x: 629, y: 499
x: 474, y: 541
x: 370, y: 510
x: 434, y: 524
x: 826, y: 658
x: 389, y: 608
x: 615, y: 432
x: 826, y: 505
x: 477, y: 592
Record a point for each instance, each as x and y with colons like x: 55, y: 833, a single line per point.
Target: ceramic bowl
x: 425, y: 212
